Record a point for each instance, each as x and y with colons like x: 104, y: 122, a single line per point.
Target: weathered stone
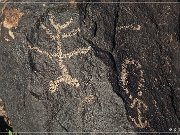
x: 51, y: 80
x: 90, y: 67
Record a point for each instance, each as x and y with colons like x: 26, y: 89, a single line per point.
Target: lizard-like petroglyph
x: 59, y: 56
x: 137, y: 104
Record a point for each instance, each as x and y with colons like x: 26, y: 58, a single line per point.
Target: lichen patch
x: 12, y: 17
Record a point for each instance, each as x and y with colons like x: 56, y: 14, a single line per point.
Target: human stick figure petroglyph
x: 59, y: 56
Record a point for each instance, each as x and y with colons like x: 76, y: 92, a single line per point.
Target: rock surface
x: 90, y: 67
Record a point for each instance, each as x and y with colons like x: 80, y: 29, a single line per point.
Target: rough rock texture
x: 90, y: 67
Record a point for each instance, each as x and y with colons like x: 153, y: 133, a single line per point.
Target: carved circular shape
x: 124, y: 75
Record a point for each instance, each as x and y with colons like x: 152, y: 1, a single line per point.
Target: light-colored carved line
x: 124, y: 75
x: 56, y: 26
x: 133, y: 27
x: 64, y: 78
x: 41, y: 52
x: 77, y: 52
x: 139, y: 122
x: 48, y: 32
x: 139, y: 104
x: 71, y: 33
x: 66, y: 24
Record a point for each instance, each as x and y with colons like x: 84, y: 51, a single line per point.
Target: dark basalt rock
x: 90, y: 67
